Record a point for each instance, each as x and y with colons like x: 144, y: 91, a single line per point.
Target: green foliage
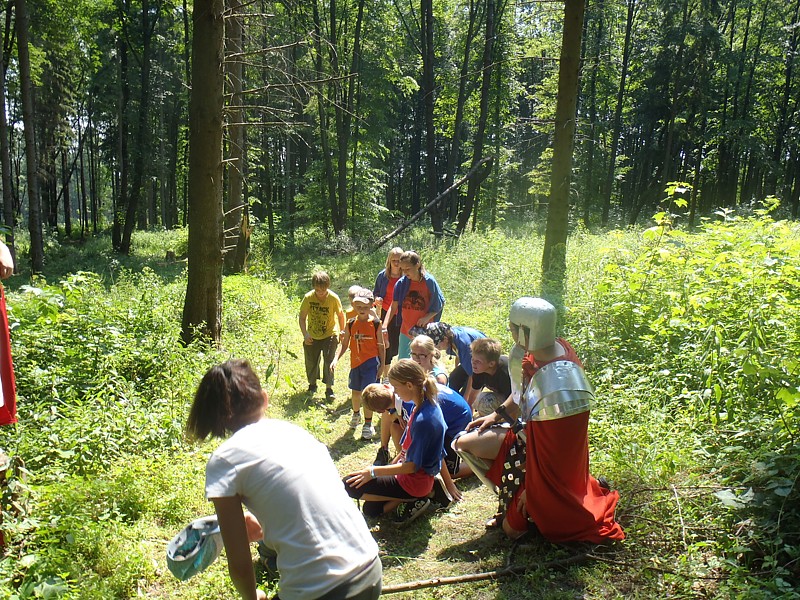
x: 689, y: 338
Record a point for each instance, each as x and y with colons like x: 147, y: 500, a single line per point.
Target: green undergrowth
x: 690, y: 339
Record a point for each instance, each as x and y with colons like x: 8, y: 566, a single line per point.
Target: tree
x: 34, y: 208
x: 202, y: 309
x: 554, y: 255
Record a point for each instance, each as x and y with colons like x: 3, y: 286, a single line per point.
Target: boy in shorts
x: 363, y: 334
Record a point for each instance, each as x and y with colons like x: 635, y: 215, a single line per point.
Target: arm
x: 448, y: 483
x: 6, y: 262
x: 345, y: 344
x: 484, y: 423
x: 383, y: 339
x: 472, y: 393
x: 390, y: 314
x: 340, y: 317
x: 306, y: 337
x: 359, y: 478
x: 235, y: 537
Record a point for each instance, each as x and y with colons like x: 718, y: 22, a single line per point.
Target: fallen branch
x: 433, y: 203
x: 471, y: 577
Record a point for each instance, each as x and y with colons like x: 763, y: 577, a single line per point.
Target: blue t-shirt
x: 455, y: 410
x: 427, y: 439
x: 462, y: 338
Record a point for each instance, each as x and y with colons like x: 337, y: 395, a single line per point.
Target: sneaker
x: 410, y: 511
x: 329, y: 395
x: 367, y: 432
x: 440, y: 495
x: 355, y: 420
x: 312, y: 389
x: 382, y: 457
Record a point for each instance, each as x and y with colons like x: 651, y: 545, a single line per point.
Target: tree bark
x: 429, y: 97
x: 202, y: 310
x: 236, y: 140
x: 554, y: 256
x: 5, y: 152
x: 34, y: 207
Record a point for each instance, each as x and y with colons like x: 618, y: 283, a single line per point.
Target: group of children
x: 518, y: 422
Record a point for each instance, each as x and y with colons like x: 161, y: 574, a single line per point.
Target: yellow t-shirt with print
x: 321, y: 320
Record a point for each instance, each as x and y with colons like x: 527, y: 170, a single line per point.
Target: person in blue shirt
x: 405, y: 485
x: 455, y: 341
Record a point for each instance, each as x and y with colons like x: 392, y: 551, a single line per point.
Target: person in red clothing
x: 8, y: 388
x: 539, y: 465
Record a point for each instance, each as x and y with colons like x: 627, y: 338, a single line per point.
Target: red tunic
x: 564, y: 501
x: 8, y: 400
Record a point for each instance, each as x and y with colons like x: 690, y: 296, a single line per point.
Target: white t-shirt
x: 287, y: 479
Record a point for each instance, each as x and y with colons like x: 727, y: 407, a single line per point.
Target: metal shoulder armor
x: 557, y: 390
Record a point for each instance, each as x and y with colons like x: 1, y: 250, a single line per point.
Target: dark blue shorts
x: 364, y: 374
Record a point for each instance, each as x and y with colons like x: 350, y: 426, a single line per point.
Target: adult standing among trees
x: 417, y: 300
x: 384, y: 295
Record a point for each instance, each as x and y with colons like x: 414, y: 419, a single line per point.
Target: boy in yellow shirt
x: 320, y: 313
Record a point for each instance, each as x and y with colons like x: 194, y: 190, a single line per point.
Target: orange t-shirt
x: 363, y: 340
x: 415, y: 305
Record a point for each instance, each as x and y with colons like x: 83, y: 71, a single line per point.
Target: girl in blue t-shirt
x: 404, y: 485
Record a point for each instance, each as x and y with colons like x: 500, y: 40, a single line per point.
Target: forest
x: 338, y: 122
x: 337, y: 113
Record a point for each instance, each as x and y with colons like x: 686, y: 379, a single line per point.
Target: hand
x: 359, y: 478
x: 378, y: 300
x: 422, y: 321
x: 308, y: 340
x: 261, y: 594
x: 482, y: 423
x: 454, y: 492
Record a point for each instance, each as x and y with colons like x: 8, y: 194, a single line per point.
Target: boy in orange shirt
x: 364, y: 336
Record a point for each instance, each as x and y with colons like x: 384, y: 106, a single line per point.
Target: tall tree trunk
x: 5, y: 152
x: 592, y: 141
x: 429, y: 97
x: 34, y: 208
x: 202, y: 310
x: 236, y: 137
x: 554, y: 255
x: 458, y: 122
x: 493, y: 15
x: 121, y: 198
x: 148, y: 24
x: 329, y: 184
x: 616, y: 125
x: 66, y: 174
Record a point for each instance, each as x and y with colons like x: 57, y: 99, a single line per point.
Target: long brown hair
x: 396, y: 251
x: 414, y: 259
x: 406, y: 370
x: 227, y: 395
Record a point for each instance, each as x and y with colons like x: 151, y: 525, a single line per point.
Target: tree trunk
x: 493, y: 15
x: 234, y: 67
x: 5, y: 152
x: 554, y: 256
x: 202, y: 310
x: 458, y: 122
x: 121, y: 198
x: 66, y: 174
x: 617, y: 122
x: 142, y: 133
x: 34, y: 208
x: 428, y: 91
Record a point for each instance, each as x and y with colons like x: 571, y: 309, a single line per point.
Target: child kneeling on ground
x: 405, y: 485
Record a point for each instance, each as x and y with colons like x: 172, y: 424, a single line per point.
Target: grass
x: 105, y: 387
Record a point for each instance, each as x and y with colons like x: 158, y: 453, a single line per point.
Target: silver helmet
x: 533, y: 323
